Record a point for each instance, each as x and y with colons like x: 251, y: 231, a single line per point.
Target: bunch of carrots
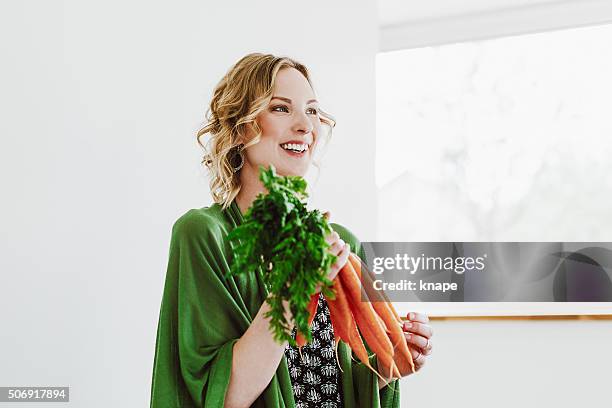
x: 273, y: 226
x: 352, y: 311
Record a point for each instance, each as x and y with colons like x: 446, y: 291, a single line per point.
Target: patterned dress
x: 316, y: 379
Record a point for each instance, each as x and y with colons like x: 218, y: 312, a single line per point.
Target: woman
x: 214, y: 347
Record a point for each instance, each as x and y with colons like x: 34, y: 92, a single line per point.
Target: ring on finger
x: 427, y: 346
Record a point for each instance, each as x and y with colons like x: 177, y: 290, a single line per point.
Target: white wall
x: 100, y: 105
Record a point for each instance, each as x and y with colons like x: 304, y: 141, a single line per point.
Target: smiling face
x: 290, y: 127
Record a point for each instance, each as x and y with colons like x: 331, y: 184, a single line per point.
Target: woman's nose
x: 302, y: 123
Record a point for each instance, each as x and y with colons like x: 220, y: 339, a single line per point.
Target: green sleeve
x: 364, y: 381
x: 195, y: 335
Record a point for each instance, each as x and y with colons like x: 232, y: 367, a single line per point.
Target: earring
x: 238, y: 153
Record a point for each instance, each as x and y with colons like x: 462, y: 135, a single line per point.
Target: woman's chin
x: 291, y: 170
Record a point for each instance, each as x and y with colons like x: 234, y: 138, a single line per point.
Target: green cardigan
x: 203, y: 313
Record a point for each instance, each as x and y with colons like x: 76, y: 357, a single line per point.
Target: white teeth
x: 295, y: 146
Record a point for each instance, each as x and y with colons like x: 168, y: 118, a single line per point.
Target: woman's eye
x: 283, y: 108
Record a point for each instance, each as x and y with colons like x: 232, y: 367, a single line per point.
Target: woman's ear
x: 246, y: 133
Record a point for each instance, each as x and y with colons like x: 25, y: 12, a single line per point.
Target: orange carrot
x: 395, y: 314
x: 345, y: 327
x: 401, y: 355
x: 371, y: 328
x: 388, y: 315
x: 344, y: 323
x: 365, y: 276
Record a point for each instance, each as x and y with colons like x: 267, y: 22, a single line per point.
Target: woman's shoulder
x: 200, y: 222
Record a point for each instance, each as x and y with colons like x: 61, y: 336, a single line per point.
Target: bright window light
x: 507, y: 139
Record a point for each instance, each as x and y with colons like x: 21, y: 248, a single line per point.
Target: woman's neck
x: 250, y: 187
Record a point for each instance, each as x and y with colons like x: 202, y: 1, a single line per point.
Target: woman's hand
x: 418, y: 333
x: 338, y: 248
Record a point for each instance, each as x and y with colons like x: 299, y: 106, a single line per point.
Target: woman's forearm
x: 256, y: 356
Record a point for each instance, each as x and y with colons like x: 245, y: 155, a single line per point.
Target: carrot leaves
x: 285, y: 242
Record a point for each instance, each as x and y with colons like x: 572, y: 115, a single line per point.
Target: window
x: 506, y: 139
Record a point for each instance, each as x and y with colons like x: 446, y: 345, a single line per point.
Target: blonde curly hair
x: 243, y: 92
